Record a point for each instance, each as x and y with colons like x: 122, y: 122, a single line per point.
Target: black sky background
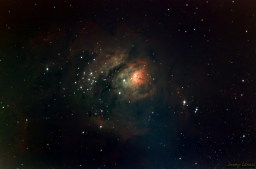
x: 201, y: 52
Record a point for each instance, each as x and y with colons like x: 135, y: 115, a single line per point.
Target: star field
x: 127, y: 84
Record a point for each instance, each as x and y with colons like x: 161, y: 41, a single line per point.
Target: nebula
x: 130, y: 80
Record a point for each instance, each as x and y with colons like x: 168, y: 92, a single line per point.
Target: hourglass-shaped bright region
x: 137, y: 78
x: 133, y: 82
